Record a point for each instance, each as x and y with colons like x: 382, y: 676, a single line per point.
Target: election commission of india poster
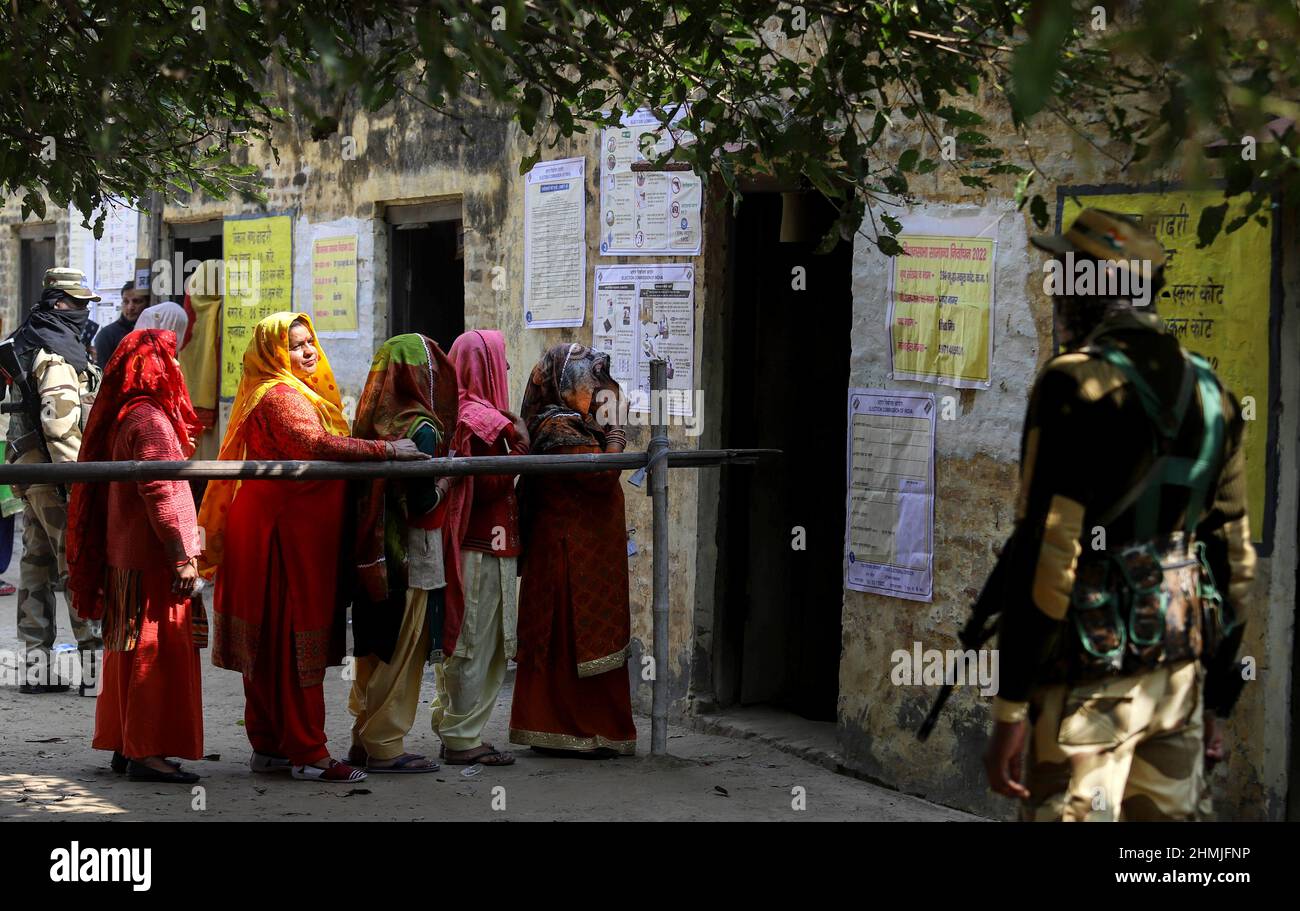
x: 889, y: 540
x: 647, y: 212
x: 555, y: 244
x: 643, y: 313
x: 941, y: 301
x: 258, y: 282
x: 1215, y: 300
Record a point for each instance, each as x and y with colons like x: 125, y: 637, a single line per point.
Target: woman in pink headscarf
x: 480, y: 549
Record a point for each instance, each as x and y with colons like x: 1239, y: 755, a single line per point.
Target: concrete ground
x: 48, y: 771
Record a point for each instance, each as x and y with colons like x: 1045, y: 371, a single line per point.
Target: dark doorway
x: 786, y: 374
x: 37, y: 255
x: 427, y: 253
x: 193, y: 243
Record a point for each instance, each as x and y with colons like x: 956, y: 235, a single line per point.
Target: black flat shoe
x: 118, y: 763
x: 138, y: 771
x: 40, y: 689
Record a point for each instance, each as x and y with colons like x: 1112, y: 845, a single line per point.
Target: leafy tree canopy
x: 141, y: 96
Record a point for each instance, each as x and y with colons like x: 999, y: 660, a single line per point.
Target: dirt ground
x: 48, y: 771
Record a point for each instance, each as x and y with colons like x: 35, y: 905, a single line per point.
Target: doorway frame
x: 390, y: 215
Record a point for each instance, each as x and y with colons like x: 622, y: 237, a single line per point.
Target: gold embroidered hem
x: 569, y: 742
x: 601, y: 665
x: 235, y: 643
x: 312, y: 652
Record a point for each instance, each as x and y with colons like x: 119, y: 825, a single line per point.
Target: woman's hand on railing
x: 405, y: 450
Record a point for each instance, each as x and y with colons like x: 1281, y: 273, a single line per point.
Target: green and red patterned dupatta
x: 411, y: 383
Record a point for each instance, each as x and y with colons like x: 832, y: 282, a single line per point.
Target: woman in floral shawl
x: 571, y: 691
x: 397, y: 613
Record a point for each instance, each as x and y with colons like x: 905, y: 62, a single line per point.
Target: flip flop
x: 489, y: 757
x: 402, y: 765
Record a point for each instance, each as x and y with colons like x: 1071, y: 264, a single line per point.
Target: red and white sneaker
x: 337, y: 772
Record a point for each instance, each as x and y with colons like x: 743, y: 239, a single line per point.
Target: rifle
x: 978, y: 628
x: 16, y: 376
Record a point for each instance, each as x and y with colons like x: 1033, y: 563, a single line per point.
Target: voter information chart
x: 258, y: 282
x: 650, y: 213
x: 555, y: 244
x: 889, y: 541
x: 643, y: 313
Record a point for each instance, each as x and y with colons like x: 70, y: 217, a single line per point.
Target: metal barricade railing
x: 657, y: 460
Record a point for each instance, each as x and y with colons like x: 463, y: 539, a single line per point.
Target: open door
x: 779, y: 634
x: 427, y: 276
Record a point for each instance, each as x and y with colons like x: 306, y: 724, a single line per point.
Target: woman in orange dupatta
x: 138, y: 577
x: 276, y: 548
x: 572, y: 695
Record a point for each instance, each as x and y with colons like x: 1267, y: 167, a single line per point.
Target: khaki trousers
x: 385, y: 696
x: 469, y: 680
x: 1119, y: 748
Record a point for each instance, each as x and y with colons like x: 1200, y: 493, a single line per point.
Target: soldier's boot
x: 37, y: 602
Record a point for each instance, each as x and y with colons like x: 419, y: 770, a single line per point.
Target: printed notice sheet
x: 650, y: 213
x: 941, y: 301
x: 641, y: 131
x: 555, y: 244
x: 889, y: 542
x: 645, y: 212
x: 334, y: 285
x: 258, y: 282
x: 642, y: 313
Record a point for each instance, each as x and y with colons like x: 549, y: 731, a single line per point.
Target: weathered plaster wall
x: 976, y: 477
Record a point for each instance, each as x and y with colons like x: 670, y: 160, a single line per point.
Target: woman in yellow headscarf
x: 275, y: 547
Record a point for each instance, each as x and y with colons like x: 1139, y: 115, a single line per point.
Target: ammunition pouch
x: 1146, y: 605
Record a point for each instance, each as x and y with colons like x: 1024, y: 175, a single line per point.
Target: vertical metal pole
x: 659, y: 608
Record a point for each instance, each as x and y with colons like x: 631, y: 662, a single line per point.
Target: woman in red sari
x: 276, y: 548
x: 138, y: 579
x: 572, y: 695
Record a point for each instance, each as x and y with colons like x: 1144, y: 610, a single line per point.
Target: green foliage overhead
x: 857, y: 99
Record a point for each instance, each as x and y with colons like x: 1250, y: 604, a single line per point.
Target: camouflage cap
x: 71, y: 282
x: 1105, y: 235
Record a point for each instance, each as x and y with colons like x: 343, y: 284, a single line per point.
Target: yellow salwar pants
x: 385, y: 696
x: 469, y: 680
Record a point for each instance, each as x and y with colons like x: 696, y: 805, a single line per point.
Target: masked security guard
x: 1132, y: 556
x: 51, y: 354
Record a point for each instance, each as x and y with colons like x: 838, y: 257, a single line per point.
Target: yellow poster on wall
x: 258, y: 282
x: 334, y: 284
x: 1215, y: 300
x: 940, y: 309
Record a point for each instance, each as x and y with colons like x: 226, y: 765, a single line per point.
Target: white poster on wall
x: 642, y: 313
x: 889, y: 538
x: 555, y: 244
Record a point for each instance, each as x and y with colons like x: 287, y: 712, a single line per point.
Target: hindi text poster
x: 258, y: 281
x: 334, y: 285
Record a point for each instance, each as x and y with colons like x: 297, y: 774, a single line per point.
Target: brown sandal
x: 490, y: 756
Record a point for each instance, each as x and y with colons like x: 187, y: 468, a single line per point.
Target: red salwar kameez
x: 152, y: 700
x: 126, y: 542
x: 279, y: 618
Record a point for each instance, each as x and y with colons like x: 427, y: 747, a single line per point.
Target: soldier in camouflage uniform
x: 50, y: 349
x: 1132, y: 559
